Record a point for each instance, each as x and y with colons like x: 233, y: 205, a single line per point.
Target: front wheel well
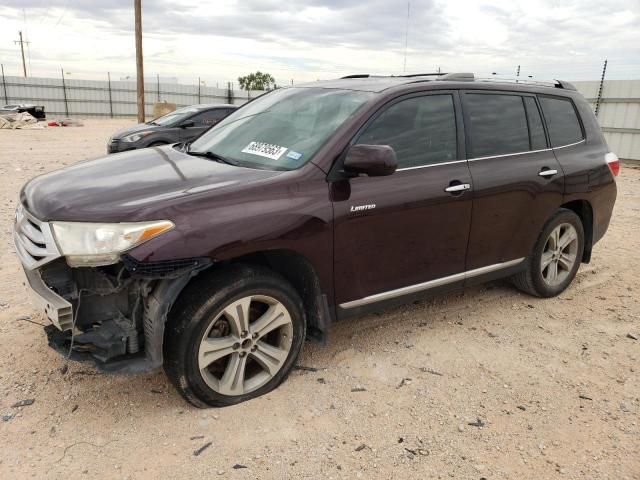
x: 298, y: 271
x: 583, y: 209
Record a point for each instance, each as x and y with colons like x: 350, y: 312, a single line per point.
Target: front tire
x: 233, y: 336
x: 556, y: 256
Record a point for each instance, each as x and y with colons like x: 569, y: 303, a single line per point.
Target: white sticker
x: 274, y: 152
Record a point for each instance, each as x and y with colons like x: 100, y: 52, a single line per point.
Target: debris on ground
x: 202, y: 449
x: 633, y: 336
x: 358, y: 389
x: 65, y: 122
x: 403, y: 382
x: 478, y: 423
x: 24, y: 403
x: 238, y: 466
x: 431, y: 371
x: 360, y: 447
x: 305, y: 369
x: 18, y: 121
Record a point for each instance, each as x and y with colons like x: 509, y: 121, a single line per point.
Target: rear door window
x: 498, y: 124
x: 536, y: 130
x: 562, y: 121
x: 421, y: 130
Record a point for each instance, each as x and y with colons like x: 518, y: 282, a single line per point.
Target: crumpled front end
x: 114, y: 314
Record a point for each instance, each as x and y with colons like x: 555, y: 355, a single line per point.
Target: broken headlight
x: 94, y: 244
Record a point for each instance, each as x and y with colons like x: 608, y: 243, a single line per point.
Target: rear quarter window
x: 562, y: 121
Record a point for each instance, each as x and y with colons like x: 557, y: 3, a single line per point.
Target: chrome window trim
x: 528, y: 151
x: 510, y: 154
x: 430, y: 165
x: 430, y: 284
x: 570, y: 144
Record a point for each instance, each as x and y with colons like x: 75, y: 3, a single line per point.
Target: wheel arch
x: 584, y: 210
x: 297, y: 270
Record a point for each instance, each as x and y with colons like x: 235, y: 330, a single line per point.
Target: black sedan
x: 181, y: 125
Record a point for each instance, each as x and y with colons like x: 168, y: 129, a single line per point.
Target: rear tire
x: 556, y: 256
x: 233, y: 335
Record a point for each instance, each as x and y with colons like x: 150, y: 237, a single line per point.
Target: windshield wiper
x: 212, y: 156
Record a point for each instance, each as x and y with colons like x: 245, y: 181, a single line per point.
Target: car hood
x: 141, y: 127
x: 132, y: 185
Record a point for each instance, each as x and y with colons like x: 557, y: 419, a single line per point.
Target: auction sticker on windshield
x: 274, y: 152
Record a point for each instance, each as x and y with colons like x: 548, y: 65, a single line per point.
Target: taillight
x: 614, y: 163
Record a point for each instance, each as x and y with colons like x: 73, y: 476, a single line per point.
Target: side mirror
x: 187, y: 124
x: 372, y: 160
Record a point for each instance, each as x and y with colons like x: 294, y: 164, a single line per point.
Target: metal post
x: 158, y: 83
x: 518, y: 73
x: 199, y: 83
x: 604, y: 70
x: 139, y: 64
x: 4, y: 86
x: 229, y: 93
x: 64, y: 91
x: 22, y: 42
x: 110, y: 99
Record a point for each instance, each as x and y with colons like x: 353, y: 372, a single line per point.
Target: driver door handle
x: 461, y: 187
x: 548, y: 172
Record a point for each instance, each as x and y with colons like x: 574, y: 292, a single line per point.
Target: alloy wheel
x: 559, y: 255
x: 245, y: 345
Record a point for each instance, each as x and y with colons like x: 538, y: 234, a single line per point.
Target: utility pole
x: 139, y: 66
x: 22, y: 42
x: 518, y: 74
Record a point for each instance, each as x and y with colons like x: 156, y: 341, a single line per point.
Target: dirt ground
x: 487, y: 384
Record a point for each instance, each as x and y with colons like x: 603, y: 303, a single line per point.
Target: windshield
x: 174, y: 117
x: 283, y: 129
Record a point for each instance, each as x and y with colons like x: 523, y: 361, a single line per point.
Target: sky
x: 306, y: 40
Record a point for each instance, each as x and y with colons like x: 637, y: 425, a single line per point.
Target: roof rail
x: 433, y: 74
x: 357, y: 75
x: 566, y: 85
x: 527, y: 81
x: 459, y: 77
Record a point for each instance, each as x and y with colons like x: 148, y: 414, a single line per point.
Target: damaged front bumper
x: 113, y: 316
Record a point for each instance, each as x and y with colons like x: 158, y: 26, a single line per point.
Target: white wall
x: 619, y: 114
x: 91, y: 97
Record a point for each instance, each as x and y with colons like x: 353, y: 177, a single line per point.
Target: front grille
x: 33, y: 240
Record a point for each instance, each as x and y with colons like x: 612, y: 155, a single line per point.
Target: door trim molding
x: 419, y: 287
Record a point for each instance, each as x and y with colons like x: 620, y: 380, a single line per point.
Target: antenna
x: 406, y: 37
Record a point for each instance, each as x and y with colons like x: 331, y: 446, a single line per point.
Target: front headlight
x: 134, y: 137
x: 94, y: 244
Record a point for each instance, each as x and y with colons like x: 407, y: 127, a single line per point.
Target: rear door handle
x: 461, y: 187
x: 548, y: 172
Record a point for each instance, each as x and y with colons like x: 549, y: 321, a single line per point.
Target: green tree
x: 257, y: 81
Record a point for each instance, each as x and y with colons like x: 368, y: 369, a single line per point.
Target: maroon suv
x: 216, y: 259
